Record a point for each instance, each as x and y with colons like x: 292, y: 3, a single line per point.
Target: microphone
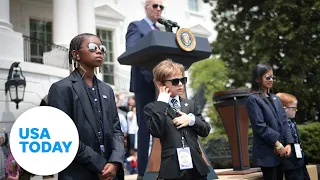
x: 167, y: 22
x: 164, y: 22
x: 174, y: 24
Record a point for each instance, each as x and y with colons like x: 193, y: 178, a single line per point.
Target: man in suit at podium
x: 141, y: 81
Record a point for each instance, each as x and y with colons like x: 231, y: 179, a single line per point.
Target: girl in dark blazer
x: 90, y: 103
x: 271, y: 133
x: 294, y: 166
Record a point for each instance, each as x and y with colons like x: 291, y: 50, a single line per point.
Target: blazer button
x: 185, y: 132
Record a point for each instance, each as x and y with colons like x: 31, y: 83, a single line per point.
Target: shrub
x: 310, y: 141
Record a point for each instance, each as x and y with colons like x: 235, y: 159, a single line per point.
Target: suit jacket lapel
x: 171, y: 112
x: 146, y: 27
x: 273, y: 108
x: 184, y: 105
x: 80, y: 89
x: 275, y: 102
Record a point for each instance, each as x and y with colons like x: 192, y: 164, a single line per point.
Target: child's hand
x: 288, y: 149
x: 182, y: 121
x: 164, y: 91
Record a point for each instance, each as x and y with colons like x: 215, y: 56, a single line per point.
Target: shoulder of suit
x: 65, y: 82
x: 137, y: 23
x: 254, y: 97
x: 156, y: 103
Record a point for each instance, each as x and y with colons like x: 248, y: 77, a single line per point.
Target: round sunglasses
x: 268, y: 77
x: 175, y: 82
x: 93, y: 47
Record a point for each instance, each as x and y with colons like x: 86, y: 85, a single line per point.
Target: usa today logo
x: 44, y: 140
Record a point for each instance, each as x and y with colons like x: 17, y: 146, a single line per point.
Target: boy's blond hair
x: 286, y: 98
x: 165, y: 69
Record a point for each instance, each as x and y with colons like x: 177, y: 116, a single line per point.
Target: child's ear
x: 159, y: 84
x: 257, y: 80
x: 75, y: 55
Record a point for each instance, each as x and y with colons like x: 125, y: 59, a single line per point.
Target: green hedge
x: 310, y: 140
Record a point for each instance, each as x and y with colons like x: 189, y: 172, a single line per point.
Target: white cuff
x: 193, y: 119
x: 164, y: 97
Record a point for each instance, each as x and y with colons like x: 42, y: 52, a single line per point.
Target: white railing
x: 122, y: 79
x: 46, y: 53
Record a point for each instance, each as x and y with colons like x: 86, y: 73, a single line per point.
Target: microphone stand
x: 168, y: 28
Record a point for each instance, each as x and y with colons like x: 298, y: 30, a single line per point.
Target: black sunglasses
x: 175, y: 82
x: 155, y: 6
x: 268, y: 77
x: 93, y: 47
x: 293, y: 108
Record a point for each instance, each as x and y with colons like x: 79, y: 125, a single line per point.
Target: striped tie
x: 155, y: 27
x: 175, y: 105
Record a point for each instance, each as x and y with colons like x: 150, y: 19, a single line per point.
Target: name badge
x: 297, y: 148
x: 102, y: 148
x: 184, y: 158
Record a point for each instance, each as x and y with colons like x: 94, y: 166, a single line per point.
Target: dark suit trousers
x: 297, y: 174
x: 192, y: 174
x: 142, y: 99
x: 272, y: 173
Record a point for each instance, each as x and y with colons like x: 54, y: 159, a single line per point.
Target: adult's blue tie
x: 155, y: 27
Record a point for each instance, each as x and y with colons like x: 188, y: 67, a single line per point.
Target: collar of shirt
x: 177, y: 98
x: 94, y: 84
x: 149, y: 22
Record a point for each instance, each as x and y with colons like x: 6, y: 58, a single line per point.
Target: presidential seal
x: 185, y: 39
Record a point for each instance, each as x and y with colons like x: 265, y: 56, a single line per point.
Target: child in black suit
x: 295, y: 165
x: 177, y: 122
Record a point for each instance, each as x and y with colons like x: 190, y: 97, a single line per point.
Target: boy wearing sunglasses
x: 295, y: 165
x: 177, y: 122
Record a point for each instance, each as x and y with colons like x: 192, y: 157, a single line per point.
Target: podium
x: 231, y: 106
x: 147, y: 53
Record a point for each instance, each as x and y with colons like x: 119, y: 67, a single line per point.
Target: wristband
x: 279, y: 147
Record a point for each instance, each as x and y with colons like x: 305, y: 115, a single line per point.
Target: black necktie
x: 175, y: 105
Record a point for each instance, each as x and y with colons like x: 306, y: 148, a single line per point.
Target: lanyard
x: 183, y: 140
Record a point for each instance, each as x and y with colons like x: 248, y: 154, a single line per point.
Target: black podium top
x: 231, y: 94
x: 157, y: 46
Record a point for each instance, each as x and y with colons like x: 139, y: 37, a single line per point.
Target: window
x: 193, y: 5
x: 41, y: 36
x: 107, y: 69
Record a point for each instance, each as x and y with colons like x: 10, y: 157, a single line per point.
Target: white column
x: 87, y: 20
x: 11, y: 42
x: 5, y: 15
x: 65, y: 21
